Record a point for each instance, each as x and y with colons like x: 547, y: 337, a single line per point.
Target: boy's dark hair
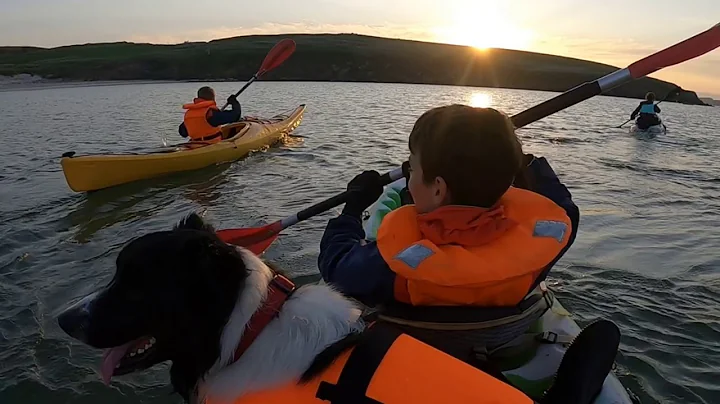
x: 650, y: 96
x: 474, y: 150
x: 206, y: 93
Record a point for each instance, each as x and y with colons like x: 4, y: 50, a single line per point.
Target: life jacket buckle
x: 548, y: 337
x: 480, y: 352
x: 284, y: 284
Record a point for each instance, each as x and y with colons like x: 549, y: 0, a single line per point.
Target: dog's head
x: 170, y: 298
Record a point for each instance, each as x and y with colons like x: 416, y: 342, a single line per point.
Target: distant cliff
x: 325, y: 57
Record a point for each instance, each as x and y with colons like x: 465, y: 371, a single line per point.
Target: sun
x: 482, y: 25
x: 481, y: 100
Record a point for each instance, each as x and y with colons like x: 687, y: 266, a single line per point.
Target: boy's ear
x: 441, y: 191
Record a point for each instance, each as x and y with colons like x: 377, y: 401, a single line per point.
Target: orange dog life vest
x: 394, y: 370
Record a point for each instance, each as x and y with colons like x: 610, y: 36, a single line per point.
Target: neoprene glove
x: 232, y: 99
x: 363, y: 190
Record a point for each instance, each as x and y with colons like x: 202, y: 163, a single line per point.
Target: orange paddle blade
x: 690, y: 48
x: 255, y: 239
x: 277, y: 55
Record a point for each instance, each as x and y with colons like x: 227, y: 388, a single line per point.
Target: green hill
x: 325, y: 57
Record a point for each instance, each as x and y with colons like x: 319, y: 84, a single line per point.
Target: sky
x: 615, y: 32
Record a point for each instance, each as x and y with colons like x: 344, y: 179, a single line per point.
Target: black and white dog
x: 188, y: 297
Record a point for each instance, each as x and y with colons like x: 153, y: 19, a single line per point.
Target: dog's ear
x: 193, y: 221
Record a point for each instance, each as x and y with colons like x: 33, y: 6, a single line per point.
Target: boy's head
x: 650, y: 97
x: 460, y: 155
x: 206, y: 93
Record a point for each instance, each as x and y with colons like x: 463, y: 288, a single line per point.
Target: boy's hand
x: 363, y: 190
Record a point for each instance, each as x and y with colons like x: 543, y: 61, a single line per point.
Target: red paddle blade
x: 277, y: 55
x: 255, y: 239
x: 690, y: 48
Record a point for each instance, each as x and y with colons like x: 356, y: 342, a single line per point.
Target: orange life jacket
x: 402, y: 370
x: 497, y: 273
x: 196, y: 122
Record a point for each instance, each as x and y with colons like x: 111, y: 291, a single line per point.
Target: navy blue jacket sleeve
x: 219, y: 118
x: 547, y: 184
x: 353, y: 266
x: 182, y: 130
x: 637, y: 111
x: 657, y: 109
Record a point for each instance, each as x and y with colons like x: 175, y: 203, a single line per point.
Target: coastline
x: 319, y: 58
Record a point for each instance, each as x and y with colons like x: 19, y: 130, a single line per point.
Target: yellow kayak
x: 93, y: 172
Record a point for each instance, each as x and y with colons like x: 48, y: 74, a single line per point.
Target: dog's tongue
x: 111, y: 358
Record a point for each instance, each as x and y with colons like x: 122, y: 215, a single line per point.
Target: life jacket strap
x: 536, y: 310
x: 355, y: 378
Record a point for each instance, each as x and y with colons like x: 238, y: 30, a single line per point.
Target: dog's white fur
x: 315, y: 317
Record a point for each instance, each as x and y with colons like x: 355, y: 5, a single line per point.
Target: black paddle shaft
x: 553, y: 105
x: 341, y: 198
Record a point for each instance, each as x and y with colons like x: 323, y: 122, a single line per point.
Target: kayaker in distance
x: 203, y: 118
x: 470, y: 239
x: 647, y: 111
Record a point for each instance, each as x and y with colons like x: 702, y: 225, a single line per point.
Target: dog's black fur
x: 178, y: 286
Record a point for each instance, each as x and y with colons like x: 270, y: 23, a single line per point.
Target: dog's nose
x: 75, y: 319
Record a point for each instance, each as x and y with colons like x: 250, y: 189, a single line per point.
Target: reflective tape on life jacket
x: 387, y: 367
x: 498, y: 273
x: 196, y: 122
x: 648, y: 109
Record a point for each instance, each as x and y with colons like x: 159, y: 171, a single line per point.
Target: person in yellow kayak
x: 203, y: 118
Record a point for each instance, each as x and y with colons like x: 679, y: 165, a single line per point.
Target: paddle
x: 688, y: 49
x: 673, y: 91
x: 277, y: 55
x: 257, y: 239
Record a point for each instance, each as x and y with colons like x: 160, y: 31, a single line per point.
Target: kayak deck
x: 93, y: 172
x: 650, y: 130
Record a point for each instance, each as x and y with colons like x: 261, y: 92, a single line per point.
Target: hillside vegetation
x: 324, y: 57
